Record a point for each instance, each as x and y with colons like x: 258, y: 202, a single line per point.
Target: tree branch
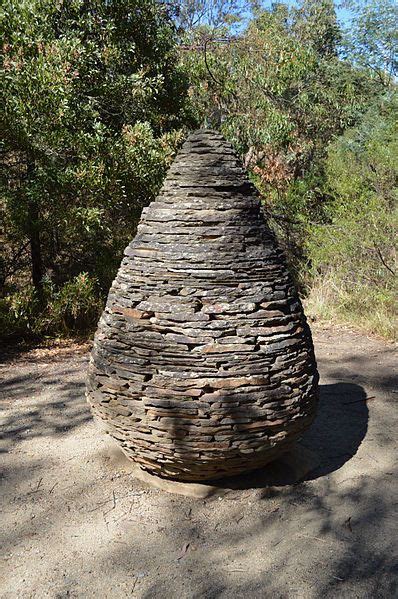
x: 383, y: 261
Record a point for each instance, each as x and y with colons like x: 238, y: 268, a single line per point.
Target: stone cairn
x: 203, y: 363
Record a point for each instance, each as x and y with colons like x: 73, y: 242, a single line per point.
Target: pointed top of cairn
x: 207, y: 160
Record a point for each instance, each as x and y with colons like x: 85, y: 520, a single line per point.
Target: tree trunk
x: 34, y: 239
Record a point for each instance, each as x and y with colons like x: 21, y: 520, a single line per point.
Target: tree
x: 315, y: 23
x: 372, y: 38
x: 92, y: 99
x: 215, y: 15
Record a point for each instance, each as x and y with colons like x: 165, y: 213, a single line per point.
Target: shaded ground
x: 75, y: 523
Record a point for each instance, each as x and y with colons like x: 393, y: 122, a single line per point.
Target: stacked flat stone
x: 203, y: 363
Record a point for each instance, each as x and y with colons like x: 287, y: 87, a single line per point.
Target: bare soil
x: 76, y: 522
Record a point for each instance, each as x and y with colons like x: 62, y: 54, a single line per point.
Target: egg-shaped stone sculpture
x: 203, y: 363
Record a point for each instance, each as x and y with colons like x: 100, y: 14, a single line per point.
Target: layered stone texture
x: 203, y: 363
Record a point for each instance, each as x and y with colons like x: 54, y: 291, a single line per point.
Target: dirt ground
x: 76, y: 522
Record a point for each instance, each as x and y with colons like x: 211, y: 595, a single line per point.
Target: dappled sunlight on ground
x: 76, y: 523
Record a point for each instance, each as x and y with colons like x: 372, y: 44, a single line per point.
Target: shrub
x: 75, y: 308
x: 354, y: 255
x: 18, y: 313
x: 72, y: 309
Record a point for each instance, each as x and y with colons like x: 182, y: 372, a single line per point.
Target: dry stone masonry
x: 203, y: 363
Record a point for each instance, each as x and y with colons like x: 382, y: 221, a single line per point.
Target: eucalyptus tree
x: 92, y: 100
x: 371, y: 39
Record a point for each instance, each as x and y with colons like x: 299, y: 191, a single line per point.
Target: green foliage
x: 356, y: 250
x: 315, y: 24
x: 372, y: 38
x: 18, y: 313
x: 272, y: 92
x: 73, y: 309
x: 216, y: 14
x: 92, y: 103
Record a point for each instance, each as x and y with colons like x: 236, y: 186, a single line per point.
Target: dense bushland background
x: 98, y: 95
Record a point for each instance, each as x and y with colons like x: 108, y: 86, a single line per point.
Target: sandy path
x: 75, y: 523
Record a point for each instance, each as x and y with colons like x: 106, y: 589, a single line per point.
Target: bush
x: 75, y: 308
x: 354, y: 255
x: 71, y: 310
x: 18, y: 313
